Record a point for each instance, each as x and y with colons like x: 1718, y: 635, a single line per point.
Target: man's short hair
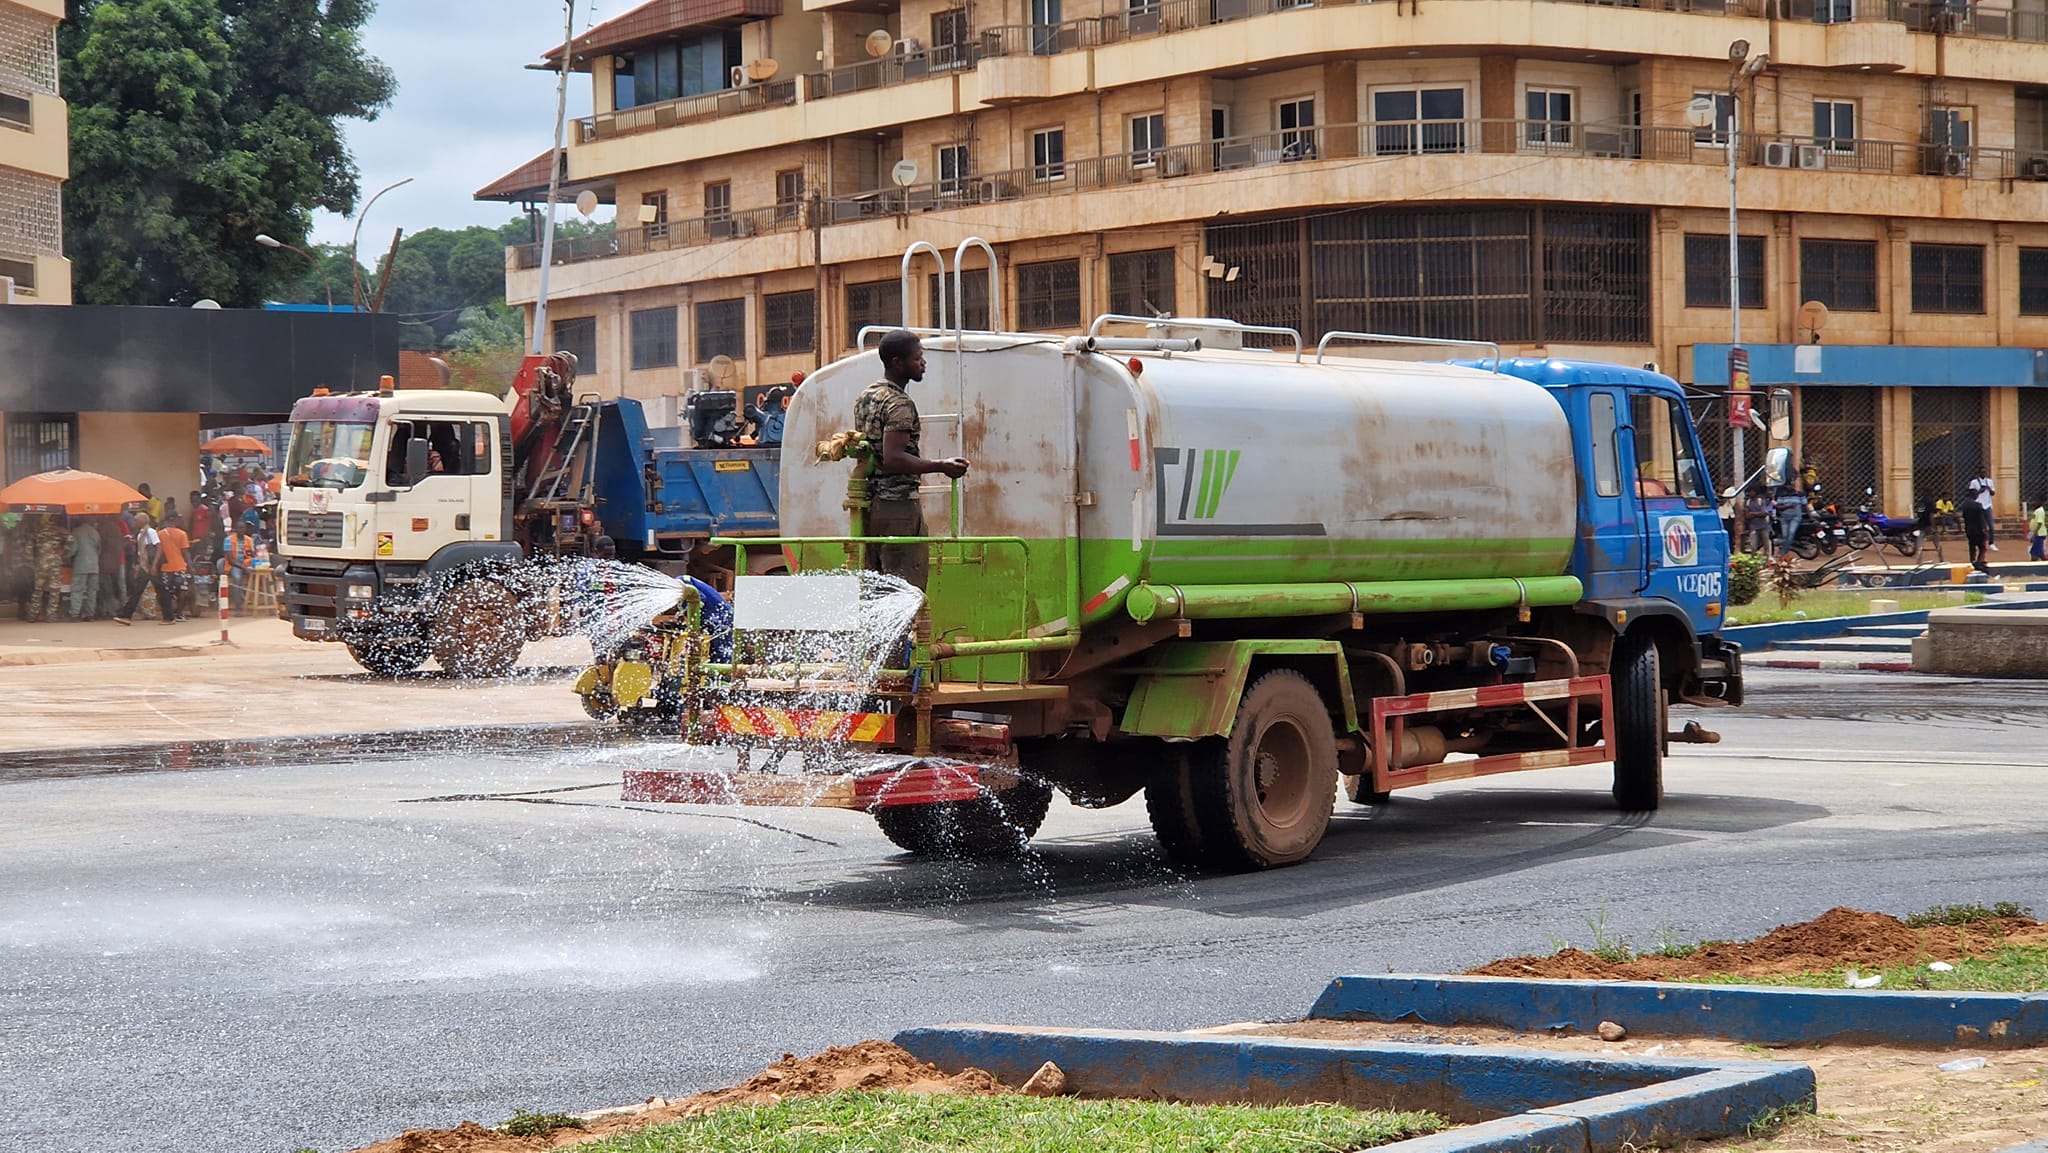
x: 901, y: 344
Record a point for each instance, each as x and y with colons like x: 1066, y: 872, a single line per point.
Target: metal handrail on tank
x: 910, y: 255
x: 1197, y: 322
x: 995, y: 287
x: 1323, y: 345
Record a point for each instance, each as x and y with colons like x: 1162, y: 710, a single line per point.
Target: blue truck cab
x: 1651, y: 549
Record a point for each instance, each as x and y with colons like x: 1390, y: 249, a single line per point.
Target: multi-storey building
x: 1549, y: 175
x: 34, y: 154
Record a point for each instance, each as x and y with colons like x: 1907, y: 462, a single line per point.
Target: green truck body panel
x: 1191, y: 689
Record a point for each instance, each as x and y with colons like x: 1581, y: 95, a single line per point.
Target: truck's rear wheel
x: 994, y: 824
x: 390, y: 658
x: 1263, y: 797
x: 1639, y: 724
x: 1170, y: 803
x: 477, y: 631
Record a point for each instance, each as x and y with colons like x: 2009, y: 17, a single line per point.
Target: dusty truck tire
x: 1639, y: 718
x: 477, y: 631
x: 1263, y: 798
x: 1170, y: 805
x: 994, y: 824
x: 390, y: 658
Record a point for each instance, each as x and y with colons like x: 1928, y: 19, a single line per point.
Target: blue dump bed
x: 695, y: 492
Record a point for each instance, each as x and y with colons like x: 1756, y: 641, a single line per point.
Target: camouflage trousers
x: 46, y: 602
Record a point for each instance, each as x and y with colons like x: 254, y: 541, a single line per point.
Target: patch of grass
x: 1966, y: 914
x: 1827, y: 604
x: 910, y: 1123
x: 524, y: 1124
x: 2011, y: 969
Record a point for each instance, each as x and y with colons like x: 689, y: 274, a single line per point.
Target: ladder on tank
x: 579, y: 426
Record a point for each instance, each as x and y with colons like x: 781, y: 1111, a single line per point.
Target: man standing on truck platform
x: 887, y: 419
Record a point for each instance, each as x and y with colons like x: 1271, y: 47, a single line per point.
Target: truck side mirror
x: 1781, y: 415
x: 1777, y: 466
x: 415, y: 460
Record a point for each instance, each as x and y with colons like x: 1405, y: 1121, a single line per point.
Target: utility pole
x: 555, y: 158
x: 818, y: 310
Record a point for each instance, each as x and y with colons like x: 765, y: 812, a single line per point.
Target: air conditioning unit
x: 2036, y: 168
x: 1943, y: 160
x: 909, y: 47
x: 1777, y: 154
x: 738, y: 77
x: 1812, y: 156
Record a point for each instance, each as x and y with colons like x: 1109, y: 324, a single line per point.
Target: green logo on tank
x: 1188, y: 485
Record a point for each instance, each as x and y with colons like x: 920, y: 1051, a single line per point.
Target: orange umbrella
x: 236, y: 445
x: 277, y: 483
x: 69, y: 490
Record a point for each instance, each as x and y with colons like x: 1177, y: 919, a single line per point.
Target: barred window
x: 872, y: 304
x: 2034, y: 282
x: 1706, y: 270
x: 789, y: 320
x: 1049, y: 294
x: 721, y: 329
x: 973, y: 286
x: 1141, y: 283
x: 1838, y: 435
x: 578, y: 336
x: 1841, y: 274
x: 1948, y: 278
x: 654, y: 338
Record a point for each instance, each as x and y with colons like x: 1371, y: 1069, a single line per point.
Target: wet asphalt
x: 318, y: 943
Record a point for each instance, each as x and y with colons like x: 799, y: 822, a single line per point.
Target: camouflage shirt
x: 883, y: 408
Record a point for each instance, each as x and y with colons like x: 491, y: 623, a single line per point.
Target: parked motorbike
x: 1815, y: 535
x: 1901, y: 534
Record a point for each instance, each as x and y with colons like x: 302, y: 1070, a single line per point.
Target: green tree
x: 195, y: 125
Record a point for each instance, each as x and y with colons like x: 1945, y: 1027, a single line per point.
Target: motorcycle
x: 1815, y: 535
x: 1901, y: 534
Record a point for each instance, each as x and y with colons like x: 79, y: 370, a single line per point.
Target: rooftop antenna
x: 547, y: 240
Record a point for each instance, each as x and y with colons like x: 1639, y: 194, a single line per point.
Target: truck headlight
x: 362, y: 592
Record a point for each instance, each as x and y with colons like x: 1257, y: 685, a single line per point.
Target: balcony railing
x: 901, y: 67
x: 688, y: 110
x: 1983, y: 21
x: 668, y: 235
x: 1326, y: 144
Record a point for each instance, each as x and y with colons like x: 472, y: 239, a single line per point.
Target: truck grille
x: 313, y: 530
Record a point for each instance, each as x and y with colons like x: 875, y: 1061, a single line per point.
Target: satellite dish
x: 881, y: 42
x: 721, y: 367
x: 762, y: 69
x: 1700, y: 112
x: 1813, y: 316
x: 586, y: 202
x: 208, y: 305
x: 904, y: 173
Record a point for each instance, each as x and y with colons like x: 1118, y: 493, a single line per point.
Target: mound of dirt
x: 873, y: 1066
x: 1837, y: 938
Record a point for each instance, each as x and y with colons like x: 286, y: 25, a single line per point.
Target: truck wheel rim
x: 1280, y: 772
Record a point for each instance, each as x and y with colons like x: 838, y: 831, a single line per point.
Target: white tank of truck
x: 1217, y: 468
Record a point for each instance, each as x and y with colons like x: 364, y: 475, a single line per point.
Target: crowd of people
x: 115, y: 561
x: 1770, y: 518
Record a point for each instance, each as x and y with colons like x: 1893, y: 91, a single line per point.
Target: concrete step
x: 1832, y: 660
x: 1907, y: 631
x: 1855, y: 644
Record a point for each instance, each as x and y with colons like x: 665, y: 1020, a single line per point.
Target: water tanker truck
x: 409, y: 516
x: 1235, y: 581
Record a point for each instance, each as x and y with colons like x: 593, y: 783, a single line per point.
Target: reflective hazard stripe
x: 1102, y: 598
x: 805, y: 724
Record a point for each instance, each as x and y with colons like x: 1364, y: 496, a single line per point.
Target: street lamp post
x: 1741, y: 66
x: 355, y: 273
x: 269, y: 241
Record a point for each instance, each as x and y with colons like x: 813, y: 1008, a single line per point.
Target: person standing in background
x: 115, y: 549
x: 2037, y: 529
x: 151, y: 505
x: 85, y: 569
x: 147, y: 574
x: 1984, y: 490
x: 52, y: 549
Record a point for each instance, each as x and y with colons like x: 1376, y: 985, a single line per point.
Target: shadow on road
x: 1409, y: 846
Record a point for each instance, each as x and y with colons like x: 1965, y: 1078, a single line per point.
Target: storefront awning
x: 1914, y: 366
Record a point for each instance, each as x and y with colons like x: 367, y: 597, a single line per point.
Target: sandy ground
x: 100, y: 684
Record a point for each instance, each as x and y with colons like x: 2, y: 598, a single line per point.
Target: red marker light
x: 1137, y: 367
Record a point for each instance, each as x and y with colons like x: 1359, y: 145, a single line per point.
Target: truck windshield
x: 329, y: 454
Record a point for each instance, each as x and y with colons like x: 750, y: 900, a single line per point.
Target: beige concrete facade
x: 1898, y: 134
x: 34, y: 154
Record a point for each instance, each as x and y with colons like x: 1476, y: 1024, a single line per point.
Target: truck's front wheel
x: 477, y: 631
x: 994, y: 824
x: 390, y: 658
x: 1263, y: 797
x: 1637, y: 734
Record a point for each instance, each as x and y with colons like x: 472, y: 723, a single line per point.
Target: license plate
x: 316, y: 626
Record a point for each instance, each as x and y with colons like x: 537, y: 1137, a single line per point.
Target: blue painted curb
x: 1517, y: 1100
x: 1755, y: 638
x: 1765, y: 1016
